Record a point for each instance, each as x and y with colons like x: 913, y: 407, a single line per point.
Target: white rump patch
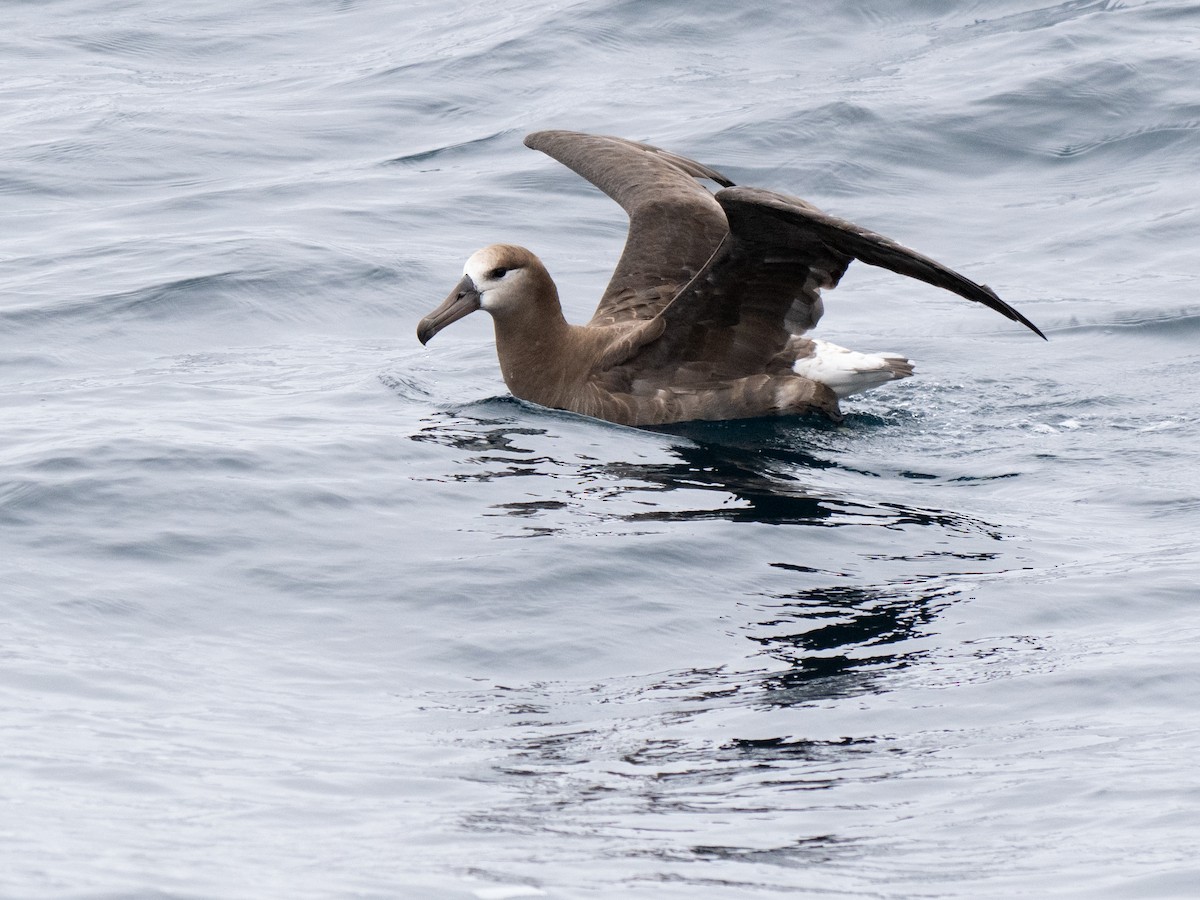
x: 847, y: 372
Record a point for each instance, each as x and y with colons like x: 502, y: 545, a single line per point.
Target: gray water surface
x: 295, y: 607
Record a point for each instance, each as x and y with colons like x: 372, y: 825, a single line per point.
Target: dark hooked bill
x: 463, y: 301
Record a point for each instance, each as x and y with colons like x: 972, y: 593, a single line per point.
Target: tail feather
x: 847, y: 372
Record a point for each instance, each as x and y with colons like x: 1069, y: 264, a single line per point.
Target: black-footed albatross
x: 705, y: 314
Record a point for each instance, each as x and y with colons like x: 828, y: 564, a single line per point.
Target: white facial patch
x: 479, y: 269
x: 481, y: 263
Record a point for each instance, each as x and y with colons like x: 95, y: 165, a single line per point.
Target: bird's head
x: 495, y: 279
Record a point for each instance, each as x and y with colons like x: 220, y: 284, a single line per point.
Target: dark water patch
x: 808, y: 570
x: 770, y: 489
x: 492, y: 445
x: 841, y: 640
x: 766, y: 751
x: 821, y: 849
x: 775, y: 485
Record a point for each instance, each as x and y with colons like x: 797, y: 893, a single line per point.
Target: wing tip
x: 1024, y: 321
x: 1017, y: 317
x: 536, y: 139
x: 1011, y: 312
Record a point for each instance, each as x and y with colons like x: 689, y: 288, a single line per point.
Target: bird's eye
x: 499, y: 272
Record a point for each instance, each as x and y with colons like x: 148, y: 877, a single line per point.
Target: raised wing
x: 766, y: 222
x: 675, y: 223
x: 761, y: 286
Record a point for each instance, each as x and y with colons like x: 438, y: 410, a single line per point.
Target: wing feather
x: 761, y: 288
x: 674, y: 222
x: 734, y: 278
x: 766, y: 219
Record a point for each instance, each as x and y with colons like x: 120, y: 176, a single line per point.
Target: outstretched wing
x: 762, y: 286
x: 675, y: 223
x: 767, y: 221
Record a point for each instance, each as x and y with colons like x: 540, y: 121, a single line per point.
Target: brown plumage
x: 704, y: 316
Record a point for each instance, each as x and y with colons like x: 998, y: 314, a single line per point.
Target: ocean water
x: 294, y: 607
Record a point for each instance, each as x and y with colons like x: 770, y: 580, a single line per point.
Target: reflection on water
x: 805, y: 852
x: 658, y: 763
x: 487, y: 440
x: 651, y: 764
x: 726, y: 478
x: 838, y: 641
x: 829, y: 634
x: 667, y: 755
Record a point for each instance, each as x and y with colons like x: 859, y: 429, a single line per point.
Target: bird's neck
x: 537, y: 351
